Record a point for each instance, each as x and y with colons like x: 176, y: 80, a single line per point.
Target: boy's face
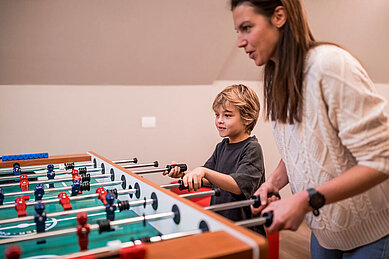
x: 229, y: 123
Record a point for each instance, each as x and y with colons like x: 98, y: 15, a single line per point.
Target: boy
x: 236, y: 166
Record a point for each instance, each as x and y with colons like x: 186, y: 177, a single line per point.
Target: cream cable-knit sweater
x: 343, y: 125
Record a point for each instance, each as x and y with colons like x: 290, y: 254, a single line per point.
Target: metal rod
x: 251, y: 222
x: 155, y: 164
x: 72, y: 198
x: 175, y: 235
x: 164, y: 215
x: 44, y: 167
x: 148, y: 171
x: 10, y: 177
x: 71, y: 212
x: 65, y: 179
x: 171, y: 186
x: 58, y: 165
x: 230, y: 205
x: 198, y: 194
x: 134, y: 160
x: 92, y: 227
x: 60, y: 188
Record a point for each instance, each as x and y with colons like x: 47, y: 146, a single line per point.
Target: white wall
x: 107, y: 120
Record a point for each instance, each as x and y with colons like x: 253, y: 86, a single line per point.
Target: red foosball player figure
x: 20, y: 206
x: 13, y: 252
x: 74, y: 173
x: 64, y: 201
x: 83, y: 230
x: 24, y: 184
x: 102, y: 194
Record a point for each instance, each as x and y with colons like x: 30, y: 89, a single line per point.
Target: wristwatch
x: 316, y: 200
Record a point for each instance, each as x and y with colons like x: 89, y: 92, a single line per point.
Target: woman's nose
x: 242, y: 42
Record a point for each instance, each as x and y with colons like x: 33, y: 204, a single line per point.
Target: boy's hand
x: 175, y: 172
x: 193, y: 179
x: 263, y: 192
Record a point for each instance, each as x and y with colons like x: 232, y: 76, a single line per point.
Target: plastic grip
x: 257, y: 200
x: 270, y: 194
x: 183, y: 167
x: 269, y: 218
x: 182, y: 186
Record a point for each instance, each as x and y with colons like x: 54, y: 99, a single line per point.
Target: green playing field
x: 66, y: 244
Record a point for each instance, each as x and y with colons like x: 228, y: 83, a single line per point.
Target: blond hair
x: 244, y: 99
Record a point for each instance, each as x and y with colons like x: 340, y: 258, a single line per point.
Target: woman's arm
x: 354, y: 181
x: 289, y: 213
x: 276, y: 181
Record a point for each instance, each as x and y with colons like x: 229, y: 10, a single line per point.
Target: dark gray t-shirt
x: 243, y: 161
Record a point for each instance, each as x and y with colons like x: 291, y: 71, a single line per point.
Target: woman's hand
x: 288, y: 213
x: 193, y: 179
x: 263, y: 192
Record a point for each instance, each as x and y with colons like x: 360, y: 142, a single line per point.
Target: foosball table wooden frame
x: 223, y: 240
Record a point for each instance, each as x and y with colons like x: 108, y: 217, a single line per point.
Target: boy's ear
x: 278, y: 18
x: 247, y: 122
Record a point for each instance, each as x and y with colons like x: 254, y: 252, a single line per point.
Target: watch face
x: 317, y: 200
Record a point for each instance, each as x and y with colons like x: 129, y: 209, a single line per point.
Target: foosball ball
x: 86, y: 206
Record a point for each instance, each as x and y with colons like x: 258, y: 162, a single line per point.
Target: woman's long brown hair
x: 283, y: 80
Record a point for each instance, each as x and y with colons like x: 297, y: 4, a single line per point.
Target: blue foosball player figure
x: 76, y: 187
x: 17, y: 171
x: 39, y: 191
x: 50, y: 174
x: 1, y: 196
x: 40, y: 219
x: 110, y: 207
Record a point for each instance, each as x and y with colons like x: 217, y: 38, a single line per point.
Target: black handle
x: 183, y: 167
x: 182, y: 186
x: 274, y: 194
x: 269, y: 218
x: 257, y: 200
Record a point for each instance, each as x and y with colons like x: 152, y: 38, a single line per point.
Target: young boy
x: 236, y: 166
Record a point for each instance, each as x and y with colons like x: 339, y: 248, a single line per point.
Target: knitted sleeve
x: 354, y: 109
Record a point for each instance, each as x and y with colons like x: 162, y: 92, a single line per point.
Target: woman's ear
x: 278, y: 18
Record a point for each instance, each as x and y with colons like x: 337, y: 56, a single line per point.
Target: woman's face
x: 256, y: 34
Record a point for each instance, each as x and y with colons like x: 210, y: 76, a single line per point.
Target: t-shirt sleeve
x: 356, y: 111
x: 251, y: 171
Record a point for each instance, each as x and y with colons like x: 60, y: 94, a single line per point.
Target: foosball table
x: 86, y: 206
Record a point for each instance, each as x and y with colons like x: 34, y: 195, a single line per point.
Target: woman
x: 330, y: 128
